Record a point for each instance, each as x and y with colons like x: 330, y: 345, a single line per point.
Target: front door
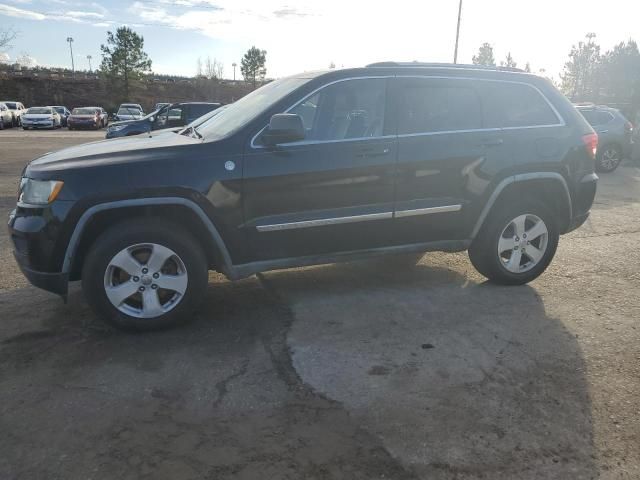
x: 331, y: 192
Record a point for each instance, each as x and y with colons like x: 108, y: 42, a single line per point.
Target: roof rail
x: 444, y: 65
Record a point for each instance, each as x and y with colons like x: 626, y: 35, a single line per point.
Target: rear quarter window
x: 512, y: 105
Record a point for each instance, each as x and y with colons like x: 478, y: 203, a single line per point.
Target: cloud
x: 83, y: 15
x: 290, y: 12
x: 20, y: 13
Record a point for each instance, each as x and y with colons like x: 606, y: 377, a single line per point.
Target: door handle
x: 603, y: 131
x: 370, y: 152
x: 493, y: 142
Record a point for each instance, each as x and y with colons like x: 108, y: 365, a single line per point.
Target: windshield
x: 59, y: 109
x: 84, y: 111
x: 129, y: 111
x: 39, y: 110
x: 247, y: 108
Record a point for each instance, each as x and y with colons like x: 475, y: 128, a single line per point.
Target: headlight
x: 38, y: 192
x: 116, y: 128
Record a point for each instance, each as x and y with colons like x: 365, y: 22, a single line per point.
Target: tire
x: 1, y: 123
x: 500, y: 230
x: 608, y: 158
x: 138, y: 237
x: 69, y: 128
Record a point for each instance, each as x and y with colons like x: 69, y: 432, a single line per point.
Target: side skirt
x: 238, y: 272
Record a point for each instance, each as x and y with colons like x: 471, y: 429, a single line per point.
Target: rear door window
x: 509, y: 105
x: 437, y: 105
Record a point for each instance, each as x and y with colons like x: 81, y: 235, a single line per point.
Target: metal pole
x: 89, y: 57
x: 234, y: 71
x: 455, y: 52
x: 73, y: 67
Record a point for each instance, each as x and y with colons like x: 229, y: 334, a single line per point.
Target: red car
x: 88, y: 117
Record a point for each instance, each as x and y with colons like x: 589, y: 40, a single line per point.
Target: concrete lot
x: 369, y: 370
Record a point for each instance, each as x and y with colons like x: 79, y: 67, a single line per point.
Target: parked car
x: 87, y: 117
x: 41, y: 117
x: 17, y: 109
x: 63, y: 112
x: 196, y: 123
x: 169, y: 116
x: 615, y: 135
x: 129, y: 111
x: 158, y: 106
x: 311, y: 169
x: 6, y: 117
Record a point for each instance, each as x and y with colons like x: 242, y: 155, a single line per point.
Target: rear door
x: 443, y: 151
x: 333, y: 191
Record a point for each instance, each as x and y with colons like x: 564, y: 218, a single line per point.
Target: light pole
x: 234, y: 65
x: 455, y: 52
x: 73, y: 67
x: 89, y: 57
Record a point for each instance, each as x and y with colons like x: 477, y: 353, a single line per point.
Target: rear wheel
x: 608, y: 158
x: 516, y: 244
x: 144, y: 275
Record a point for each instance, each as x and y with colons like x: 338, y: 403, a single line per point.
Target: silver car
x: 615, y: 135
x: 6, y: 117
x: 17, y: 110
x: 41, y: 117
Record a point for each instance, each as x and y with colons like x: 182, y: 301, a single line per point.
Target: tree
x: 213, y: 69
x: 123, y: 58
x: 6, y: 37
x: 509, y: 61
x: 580, y: 77
x: 527, y: 67
x: 485, y: 56
x: 332, y: 65
x: 620, y: 73
x: 252, y: 65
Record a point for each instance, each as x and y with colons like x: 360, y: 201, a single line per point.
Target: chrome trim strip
x: 324, y: 221
x: 427, y: 211
x: 561, y: 121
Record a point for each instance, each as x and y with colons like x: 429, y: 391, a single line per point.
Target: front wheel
x: 516, y: 244
x: 144, y: 275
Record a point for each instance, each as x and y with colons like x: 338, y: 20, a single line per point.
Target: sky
x: 304, y: 35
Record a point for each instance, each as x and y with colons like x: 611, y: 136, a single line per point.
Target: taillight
x: 591, y: 144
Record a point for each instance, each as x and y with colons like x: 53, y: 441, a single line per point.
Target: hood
x: 106, y: 152
x: 132, y: 121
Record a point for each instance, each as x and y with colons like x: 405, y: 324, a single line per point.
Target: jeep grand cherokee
x: 311, y: 169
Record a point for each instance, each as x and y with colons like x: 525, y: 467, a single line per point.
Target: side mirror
x: 284, y: 128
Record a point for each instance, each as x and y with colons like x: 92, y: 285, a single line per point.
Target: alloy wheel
x: 523, y: 243
x: 146, y: 280
x: 610, y: 158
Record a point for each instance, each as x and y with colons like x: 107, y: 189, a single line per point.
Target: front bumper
x: 39, y: 244
x: 52, y: 282
x: 26, y: 124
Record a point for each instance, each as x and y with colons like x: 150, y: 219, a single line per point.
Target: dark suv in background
x: 168, y: 116
x: 311, y: 169
x: 615, y: 135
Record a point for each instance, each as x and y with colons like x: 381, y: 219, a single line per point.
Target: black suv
x: 311, y: 169
x: 168, y: 116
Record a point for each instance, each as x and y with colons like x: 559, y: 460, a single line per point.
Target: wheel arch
x: 181, y: 211
x: 550, y: 187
